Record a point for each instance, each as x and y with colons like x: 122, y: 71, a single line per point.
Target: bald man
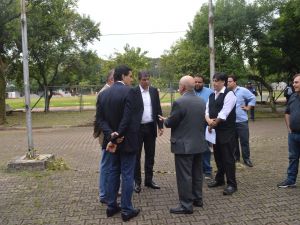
x: 187, y: 122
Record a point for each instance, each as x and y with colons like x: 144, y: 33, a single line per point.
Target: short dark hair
x: 233, y: 77
x: 142, y: 74
x: 221, y: 76
x: 121, y: 70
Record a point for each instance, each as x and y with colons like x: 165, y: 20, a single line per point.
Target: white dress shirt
x: 229, y: 103
x: 147, y: 114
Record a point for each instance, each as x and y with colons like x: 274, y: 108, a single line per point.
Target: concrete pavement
x: 71, y: 197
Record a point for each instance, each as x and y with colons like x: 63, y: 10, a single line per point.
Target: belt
x: 146, y: 124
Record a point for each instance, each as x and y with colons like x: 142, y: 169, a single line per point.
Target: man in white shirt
x: 220, y: 115
x: 147, y: 98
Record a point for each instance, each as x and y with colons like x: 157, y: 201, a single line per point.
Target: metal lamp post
x: 211, y: 41
x: 31, y: 152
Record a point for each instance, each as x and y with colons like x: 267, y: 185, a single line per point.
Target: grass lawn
x: 87, y: 100
x: 86, y: 117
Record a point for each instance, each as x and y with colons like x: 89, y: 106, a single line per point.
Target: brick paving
x: 71, y: 197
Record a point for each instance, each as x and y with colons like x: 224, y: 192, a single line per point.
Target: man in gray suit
x: 187, y: 122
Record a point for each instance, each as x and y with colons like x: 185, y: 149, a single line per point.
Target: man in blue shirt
x: 204, y: 93
x: 292, y: 120
x: 245, y: 101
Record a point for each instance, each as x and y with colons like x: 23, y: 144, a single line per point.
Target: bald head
x: 186, y: 83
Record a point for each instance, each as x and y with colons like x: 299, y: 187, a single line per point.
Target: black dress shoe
x: 248, y: 163
x: 103, y: 201
x: 215, y: 184
x: 133, y: 213
x: 152, y: 185
x: 137, y: 188
x: 180, y: 210
x: 198, y: 203
x: 229, y: 190
x: 112, y: 211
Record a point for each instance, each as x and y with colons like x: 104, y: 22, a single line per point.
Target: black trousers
x: 225, y: 161
x: 147, y: 139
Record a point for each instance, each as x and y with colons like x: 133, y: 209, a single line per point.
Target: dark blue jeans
x: 242, y: 136
x: 103, y: 177
x: 294, y: 154
x: 206, y: 156
x: 121, y: 164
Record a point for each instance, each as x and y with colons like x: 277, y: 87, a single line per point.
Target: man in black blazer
x: 147, y: 98
x: 116, y: 111
x: 187, y: 122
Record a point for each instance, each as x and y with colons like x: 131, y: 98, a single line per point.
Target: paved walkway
x: 70, y: 197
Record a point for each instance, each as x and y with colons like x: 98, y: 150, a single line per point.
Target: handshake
x: 113, y: 142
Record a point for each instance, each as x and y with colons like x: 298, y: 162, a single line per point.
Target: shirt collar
x: 142, y: 89
x: 121, y: 82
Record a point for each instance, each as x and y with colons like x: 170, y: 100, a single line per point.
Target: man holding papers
x: 220, y: 115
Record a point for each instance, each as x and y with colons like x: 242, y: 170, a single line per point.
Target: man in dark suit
x: 116, y: 111
x: 220, y: 115
x: 148, y: 98
x: 187, y: 122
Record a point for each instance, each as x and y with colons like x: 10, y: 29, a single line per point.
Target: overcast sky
x: 139, y: 16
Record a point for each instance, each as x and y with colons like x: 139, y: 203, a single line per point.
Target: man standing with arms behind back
x: 118, y: 119
x: 148, y: 98
x: 245, y: 100
x: 187, y: 121
x: 204, y: 93
x: 292, y: 119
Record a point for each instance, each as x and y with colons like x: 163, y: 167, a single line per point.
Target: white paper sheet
x: 211, y: 137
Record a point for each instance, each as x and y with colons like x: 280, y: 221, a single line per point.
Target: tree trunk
x: 48, y: 95
x: 2, y: 94
x: 272, y: 101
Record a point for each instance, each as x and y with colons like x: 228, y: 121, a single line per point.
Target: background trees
x: 257, y: 41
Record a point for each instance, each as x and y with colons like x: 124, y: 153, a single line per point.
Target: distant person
x: 104, y: 163
x: 253, y: 91
x: 147, y: 98
x: 245, y: 101
x: 204, y: 93
x: 292, y: 119
x: 118, y: 119
x: 220, y: 115
x: 187, y: 123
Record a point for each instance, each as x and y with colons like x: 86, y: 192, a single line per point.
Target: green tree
x: 56, y: 31
x: 9, y: 13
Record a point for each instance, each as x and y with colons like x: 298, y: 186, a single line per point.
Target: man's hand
x: 246, y: 108
x: 160, y: 131
x: 161, y: 118
x: 113, y: 135
x: 111, y: 147
x: 120, y: 140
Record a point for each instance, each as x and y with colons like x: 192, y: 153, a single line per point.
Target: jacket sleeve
x: 128, y: 112
x: 100, y: 118
x: 175, y: 117
x: 159, y: 111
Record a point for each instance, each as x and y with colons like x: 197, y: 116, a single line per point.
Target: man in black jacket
x: 116, y: 111
x: 147, y: 98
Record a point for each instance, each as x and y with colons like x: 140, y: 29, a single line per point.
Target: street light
x: 31, y: 153
x: 211, y: 41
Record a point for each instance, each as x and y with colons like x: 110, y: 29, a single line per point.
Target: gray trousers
x: 189, y: 178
